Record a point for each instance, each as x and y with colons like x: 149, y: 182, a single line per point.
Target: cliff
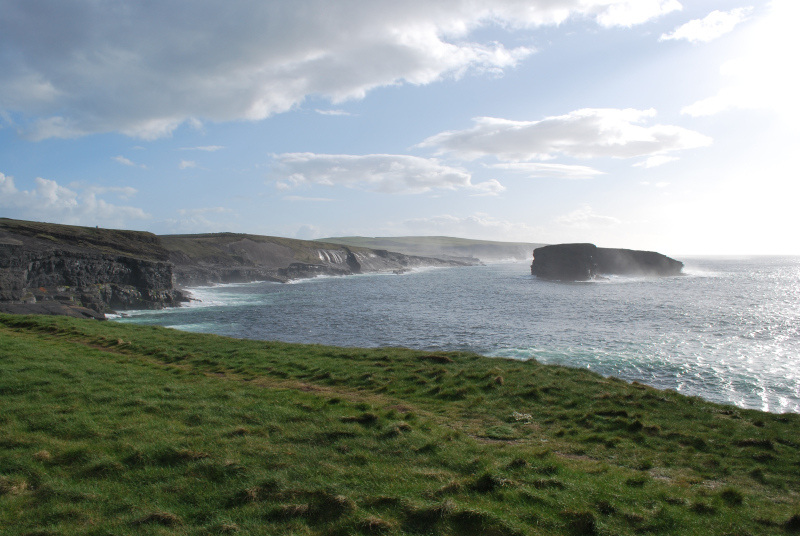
x: 82, y: 271
x: 85, y: 272
x: 443, y: 247
x: 228, y: 258
x: 582, y: 262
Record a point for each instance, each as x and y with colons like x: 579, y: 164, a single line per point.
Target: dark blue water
x: 728, y: 330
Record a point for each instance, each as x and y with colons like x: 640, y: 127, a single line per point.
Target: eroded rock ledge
x: 583, y: 262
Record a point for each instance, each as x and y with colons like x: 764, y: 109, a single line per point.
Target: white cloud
x: 187, y: 164
x: 586, y: 133
x: 660, y: 184
x: 332, y: 112
x: 632, y: 12
x: 714, y: 25
x: 766, y: 78
x: 123, y: 192
x: 490, y: 187
x: 143, y: 70
x: 558, y: 171
x: 127, y: 162
x: 386, y: 173
x: 48, y: 201
x: 655, y: 161
x: 586, y: 218
x: 478, y: 226
x: 206, y: 148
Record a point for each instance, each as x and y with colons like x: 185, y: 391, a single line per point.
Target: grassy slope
x: 118, y: 429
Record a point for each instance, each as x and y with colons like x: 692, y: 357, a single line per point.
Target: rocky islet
x: 584, y: 262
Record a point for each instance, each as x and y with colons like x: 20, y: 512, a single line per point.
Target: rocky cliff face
x: 442, y: 247
x: 582, y: 262
x: 82, y: 271
x: 82, y: 268
x: 233, y: 258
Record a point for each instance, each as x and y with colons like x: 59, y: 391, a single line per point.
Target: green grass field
x: 118, y: 429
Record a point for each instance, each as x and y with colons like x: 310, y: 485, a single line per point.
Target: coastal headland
x: 85, y: 271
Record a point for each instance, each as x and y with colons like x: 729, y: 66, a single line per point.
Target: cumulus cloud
x: 143, y: 69
x: 586, y: 218
x: 634, y: 12
x: 765, y: 78
x: 50, y: 201
x: 558, y: 171
x: 585, y: 133
x: 187, y: 164
x: 714, y: 25
x: 479, y: 226
x: 386, y: 173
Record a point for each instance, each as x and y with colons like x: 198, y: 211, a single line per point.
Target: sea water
x: 728, y: 330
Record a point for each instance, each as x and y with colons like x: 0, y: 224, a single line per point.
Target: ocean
x: 728, y: 330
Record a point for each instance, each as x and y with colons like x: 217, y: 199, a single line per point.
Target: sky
x: 663, y: 125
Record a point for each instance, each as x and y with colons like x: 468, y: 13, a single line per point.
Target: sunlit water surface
x: 728, y: 330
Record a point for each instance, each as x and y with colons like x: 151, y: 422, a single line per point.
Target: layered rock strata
x: 83, y: 271
x: 54, y: 268
x: 234, y: 258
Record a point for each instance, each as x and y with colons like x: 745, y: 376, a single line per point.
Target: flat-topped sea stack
x: 583, y: 262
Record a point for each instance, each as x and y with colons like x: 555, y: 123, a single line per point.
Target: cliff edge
x: 203, y: 259
x: 86, y: 271
x: 82, y: 271
x: 583, y: 262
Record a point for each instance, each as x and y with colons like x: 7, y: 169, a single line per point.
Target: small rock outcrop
x: 583, y: 262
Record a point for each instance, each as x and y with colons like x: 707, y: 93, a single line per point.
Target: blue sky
x: 651, y: 124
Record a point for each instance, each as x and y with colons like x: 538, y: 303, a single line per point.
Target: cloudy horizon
x: 647, y: 124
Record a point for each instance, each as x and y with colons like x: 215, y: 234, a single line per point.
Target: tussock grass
x: 117, y: 429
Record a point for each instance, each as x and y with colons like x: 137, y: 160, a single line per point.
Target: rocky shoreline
x: 87, y: 272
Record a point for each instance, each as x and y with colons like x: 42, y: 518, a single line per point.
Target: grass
x: 118, y: 429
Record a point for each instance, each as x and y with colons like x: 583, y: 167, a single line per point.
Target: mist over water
x: 727, y: 331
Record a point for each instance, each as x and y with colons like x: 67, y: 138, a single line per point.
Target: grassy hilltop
x: 118, y: 429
